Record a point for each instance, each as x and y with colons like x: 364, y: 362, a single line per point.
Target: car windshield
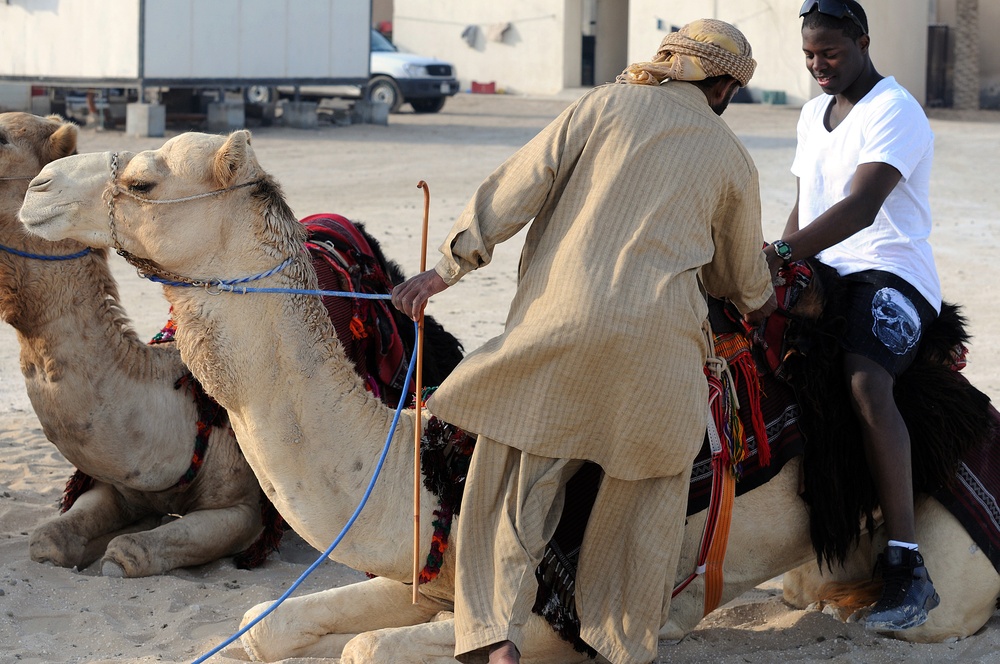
x: 380, y: 43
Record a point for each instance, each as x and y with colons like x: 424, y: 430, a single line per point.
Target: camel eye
x: 141, y: 187
x: 3, y: 138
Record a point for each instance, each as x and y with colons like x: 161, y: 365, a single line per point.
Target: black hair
x: 851, y: 30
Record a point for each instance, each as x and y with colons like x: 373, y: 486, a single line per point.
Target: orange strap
x: 723, y: 475
x: 715, y: 537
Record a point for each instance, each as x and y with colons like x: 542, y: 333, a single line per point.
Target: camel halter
x: 42, y: 257
x: 19, y: 177
x: 150, y: 270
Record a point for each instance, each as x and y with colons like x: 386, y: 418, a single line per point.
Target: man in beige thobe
x: 640, y: 199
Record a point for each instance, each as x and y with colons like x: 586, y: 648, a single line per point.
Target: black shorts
x: 886, y: 318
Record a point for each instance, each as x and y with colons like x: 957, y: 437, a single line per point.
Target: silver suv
x: 398, y: 78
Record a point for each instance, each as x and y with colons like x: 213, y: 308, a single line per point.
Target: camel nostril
x: 39, y: 183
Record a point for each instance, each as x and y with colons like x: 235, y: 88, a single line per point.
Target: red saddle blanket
x: 344, y: 261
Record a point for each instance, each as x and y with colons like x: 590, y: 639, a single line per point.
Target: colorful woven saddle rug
x: 345, y: 261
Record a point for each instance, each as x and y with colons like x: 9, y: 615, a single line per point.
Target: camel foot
x: 112, y: 569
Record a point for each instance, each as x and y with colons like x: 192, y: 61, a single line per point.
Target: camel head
x: 199, y: 206
x: 28, y: 142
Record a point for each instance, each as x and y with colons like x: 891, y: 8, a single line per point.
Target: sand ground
x: 370, y: 174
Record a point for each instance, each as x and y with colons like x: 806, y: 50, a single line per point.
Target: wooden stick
x: 418, y: 388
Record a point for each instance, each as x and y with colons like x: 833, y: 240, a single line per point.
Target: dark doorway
x: 587, y: 62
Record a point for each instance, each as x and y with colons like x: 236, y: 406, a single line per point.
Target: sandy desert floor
x: 370, y: 174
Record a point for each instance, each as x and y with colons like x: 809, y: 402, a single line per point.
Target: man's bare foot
x: 504, y: 652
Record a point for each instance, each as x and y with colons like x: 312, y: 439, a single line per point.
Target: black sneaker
x: 908, y: 593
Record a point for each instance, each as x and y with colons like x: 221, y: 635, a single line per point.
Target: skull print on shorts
x: 897, y: 324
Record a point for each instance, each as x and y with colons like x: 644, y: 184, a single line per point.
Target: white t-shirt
x: 886, y: 126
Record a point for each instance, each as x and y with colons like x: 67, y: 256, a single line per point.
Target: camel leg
x: 804, y: 585
x: 963, y: 576
x: 193, y: 539
x: 79, y: 537
x: 320, y: 624
x: 434, y: 643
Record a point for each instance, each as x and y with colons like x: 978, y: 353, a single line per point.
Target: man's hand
x: 411, y: 296
x: 755, y: 318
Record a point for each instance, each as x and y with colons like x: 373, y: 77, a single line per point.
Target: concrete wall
x: 898, y: 32
x: 989, y: 45
x: 534, y: 57
x: 541, y: 52
x: 611, y: 55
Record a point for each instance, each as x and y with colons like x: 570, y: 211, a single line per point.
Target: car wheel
x: 432, y: 105
x: 384, y: 90
x: 259, y: 94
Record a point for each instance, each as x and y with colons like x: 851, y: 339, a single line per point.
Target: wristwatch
x: 782, y: 249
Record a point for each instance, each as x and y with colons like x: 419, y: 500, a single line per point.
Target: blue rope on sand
x: 350, y: 522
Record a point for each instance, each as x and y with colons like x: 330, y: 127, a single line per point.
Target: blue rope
x: 350, y: 522
x: 231, y: 287
x: 24, y: 254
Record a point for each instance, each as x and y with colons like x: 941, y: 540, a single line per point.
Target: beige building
x: 544, y: 46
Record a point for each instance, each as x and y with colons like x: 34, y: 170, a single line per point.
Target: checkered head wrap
x: 700, y: 50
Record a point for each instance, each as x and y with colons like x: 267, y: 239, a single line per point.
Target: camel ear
x: 232, y: 157
x: 62, y: 142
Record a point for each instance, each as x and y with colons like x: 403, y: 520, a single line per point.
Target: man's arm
x: 873, y: 182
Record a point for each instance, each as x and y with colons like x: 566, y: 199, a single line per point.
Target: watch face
x: 782, y: 249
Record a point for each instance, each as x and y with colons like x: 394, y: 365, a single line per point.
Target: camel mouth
x: 38, y: 219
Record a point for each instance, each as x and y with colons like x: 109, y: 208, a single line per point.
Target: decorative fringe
x: 746, y: 370
x: 78, y: 484
x: 445, y: 454
x: 268, y: 540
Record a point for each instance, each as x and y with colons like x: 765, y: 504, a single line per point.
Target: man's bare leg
x: 504, y: 652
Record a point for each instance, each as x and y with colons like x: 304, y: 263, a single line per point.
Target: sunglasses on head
x: 835, y: 8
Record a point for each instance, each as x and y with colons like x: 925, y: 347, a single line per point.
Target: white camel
x: 202, y: 207
x: 108, y: 401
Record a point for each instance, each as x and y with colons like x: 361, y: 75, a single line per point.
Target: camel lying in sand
x: 219, y: 215
x: 108, y: 401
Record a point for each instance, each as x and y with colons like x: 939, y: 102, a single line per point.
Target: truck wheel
x: 383, y: 89
x: 432, y: 105
x: 259, y: 94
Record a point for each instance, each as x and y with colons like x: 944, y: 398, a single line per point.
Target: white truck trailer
x: 142, y: 45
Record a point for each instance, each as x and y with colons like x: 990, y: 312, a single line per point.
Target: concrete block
x: 367, y: 112
x: 226, y: 116
x: 300, y: 114
x: 41, y: 105
x: 143, y: 119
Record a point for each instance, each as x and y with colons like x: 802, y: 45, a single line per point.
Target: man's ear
x: 723, y: 88
x: 863, y: 42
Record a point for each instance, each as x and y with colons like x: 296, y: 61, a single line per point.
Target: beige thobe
x: 636, y: 194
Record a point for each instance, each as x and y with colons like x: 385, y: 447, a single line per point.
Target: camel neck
x: 301, y: 415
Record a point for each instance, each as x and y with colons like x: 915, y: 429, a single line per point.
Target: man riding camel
x: 863, y: 164
x: 640, y: 200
